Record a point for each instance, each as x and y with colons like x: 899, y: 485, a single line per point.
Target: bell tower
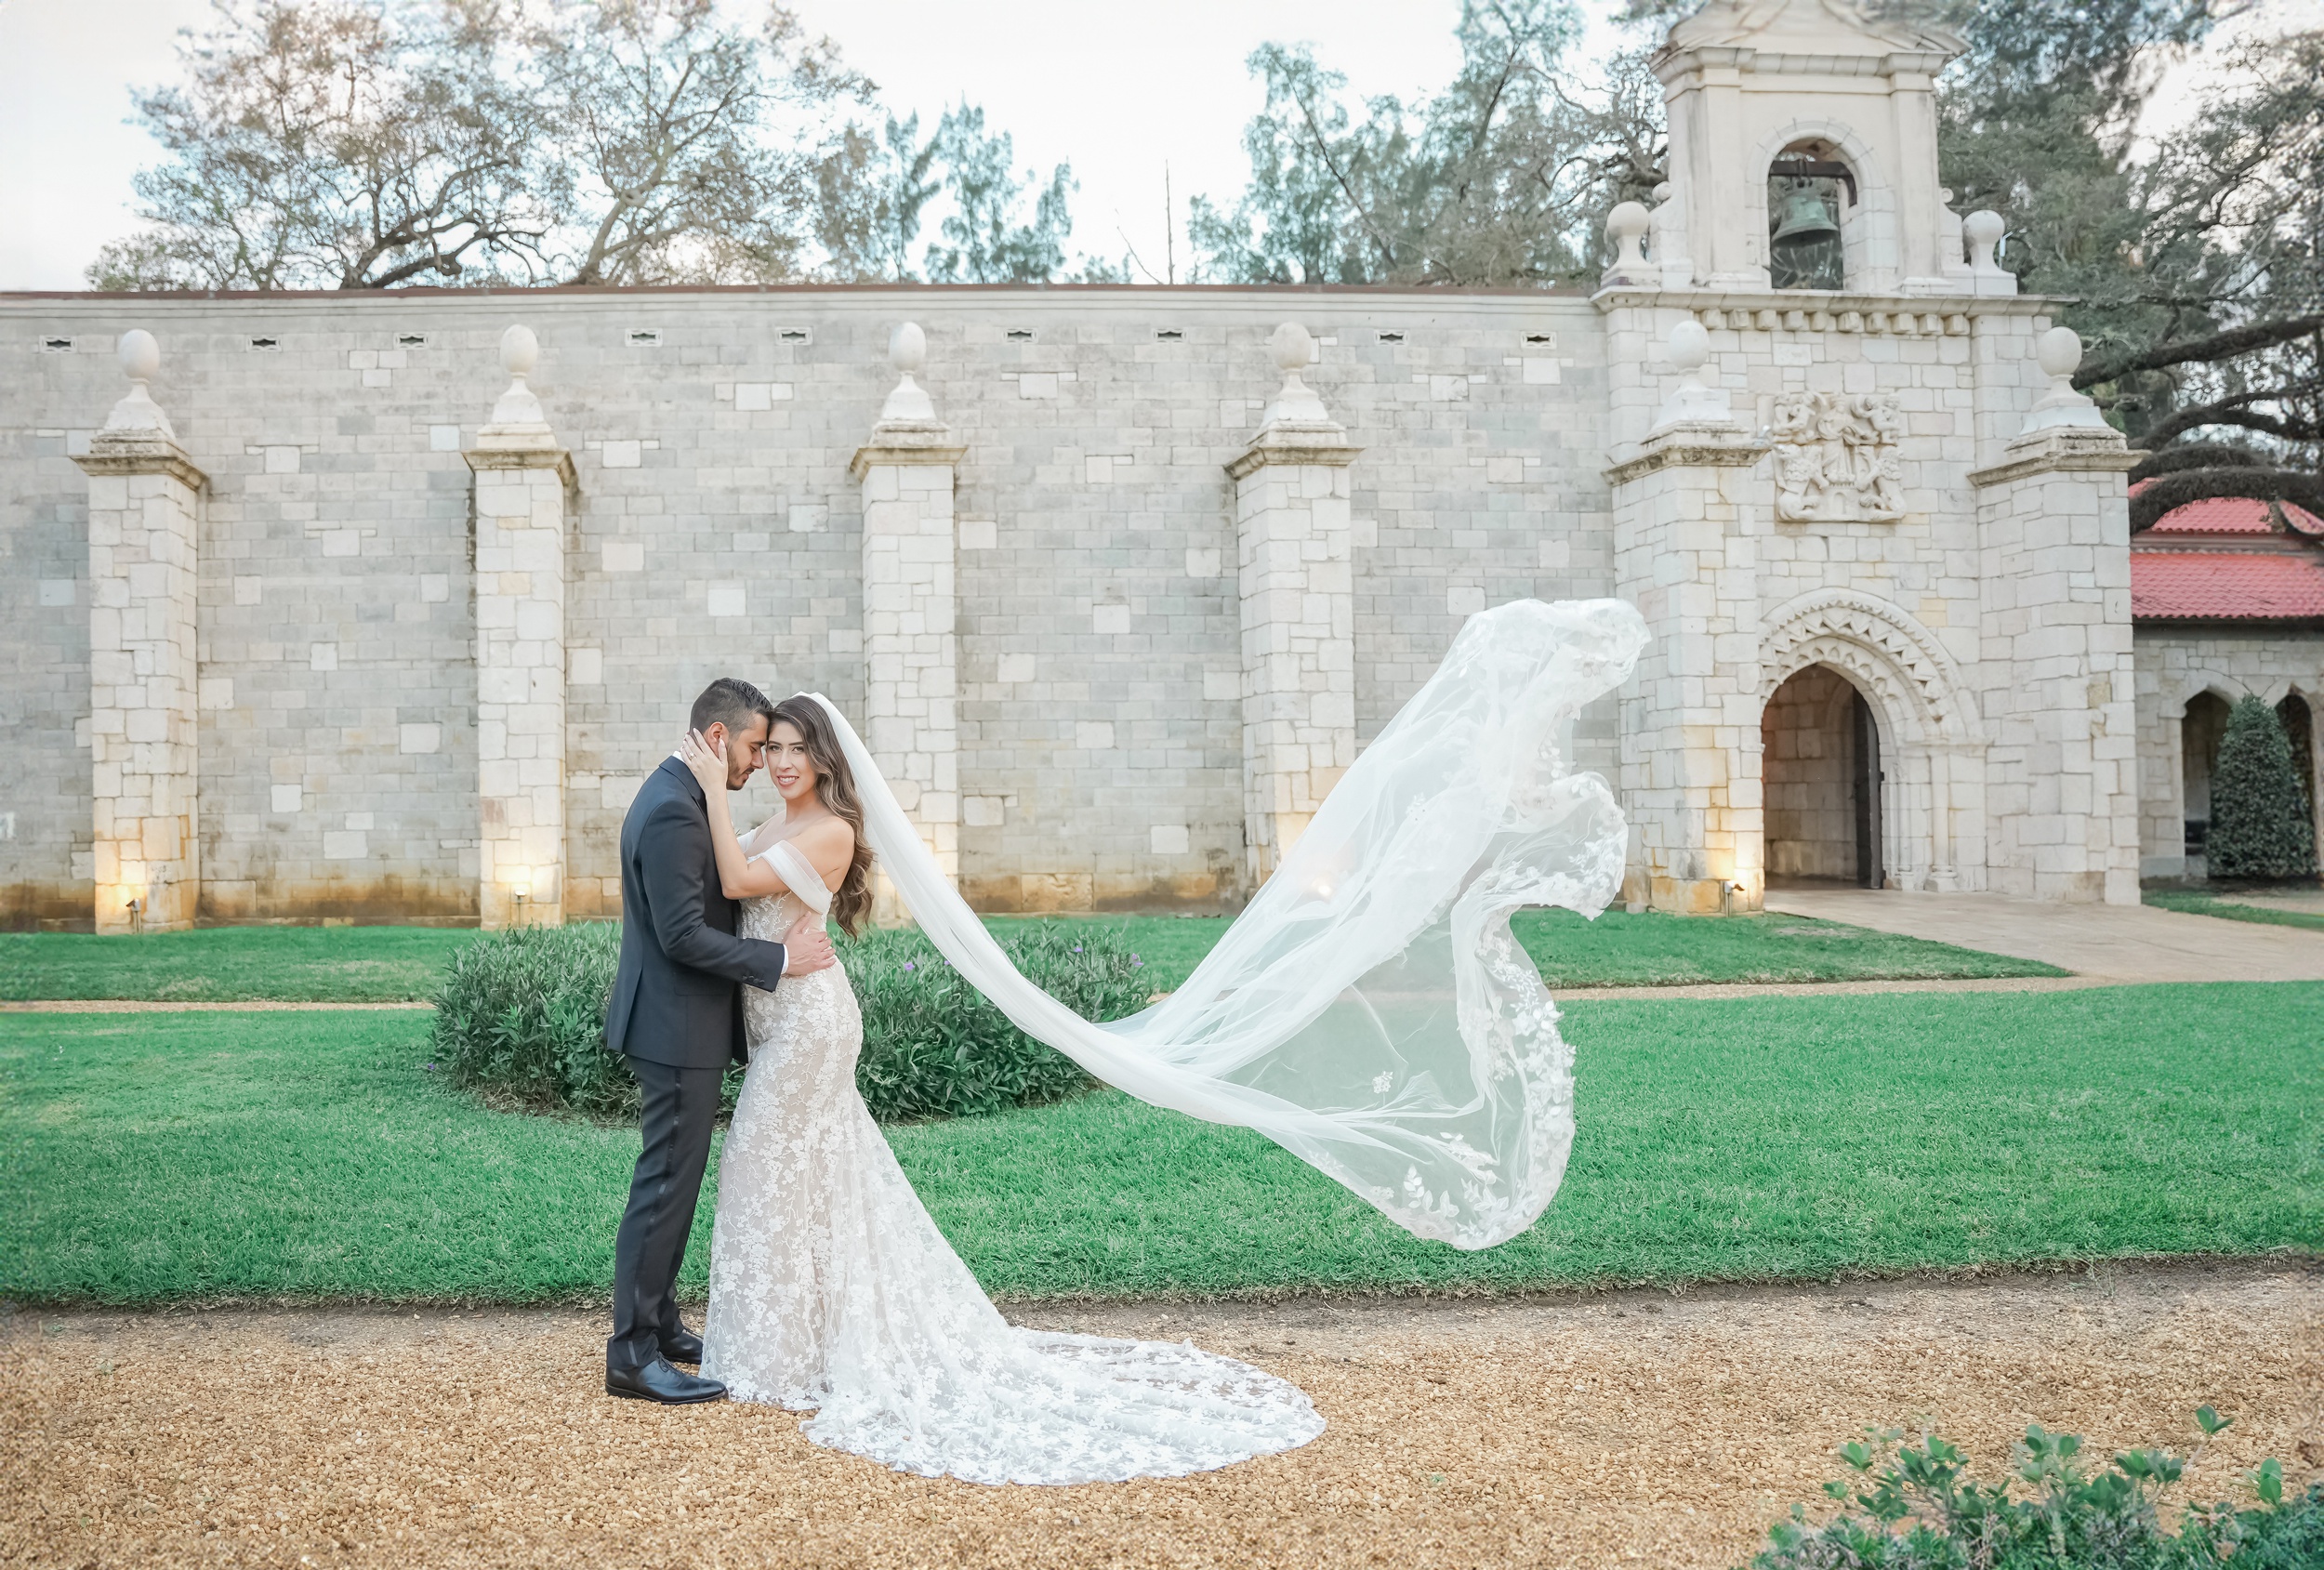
x: 1804, y: 153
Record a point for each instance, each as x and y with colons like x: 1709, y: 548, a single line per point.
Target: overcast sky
x: 1115, y: 89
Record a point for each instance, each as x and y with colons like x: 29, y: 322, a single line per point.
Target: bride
x: 1369, y: 1011
x: 831, y: 1289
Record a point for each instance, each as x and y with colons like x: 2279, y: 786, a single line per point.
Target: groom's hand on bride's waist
x: 806, y: 949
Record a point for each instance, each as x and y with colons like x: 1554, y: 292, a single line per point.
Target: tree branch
x: 2217, y: 346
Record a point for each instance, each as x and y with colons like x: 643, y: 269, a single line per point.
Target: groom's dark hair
x: 729, y: 701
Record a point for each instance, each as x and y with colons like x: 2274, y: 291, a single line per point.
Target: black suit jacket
x: 677, y: 999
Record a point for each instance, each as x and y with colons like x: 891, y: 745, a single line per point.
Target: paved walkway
x: 1584, y: 1430
x: 2118, y: 943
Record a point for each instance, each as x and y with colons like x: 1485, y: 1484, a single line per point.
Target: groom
x: 677, y: 1014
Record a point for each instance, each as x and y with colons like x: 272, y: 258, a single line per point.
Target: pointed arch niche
x: 1927, y: 818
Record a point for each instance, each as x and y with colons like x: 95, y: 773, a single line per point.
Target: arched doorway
x: 1821, y: 776
x: 2300, y: 731
x: 2201, y: 731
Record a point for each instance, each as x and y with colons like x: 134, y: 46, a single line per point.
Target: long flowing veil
x: 1369, y: 1011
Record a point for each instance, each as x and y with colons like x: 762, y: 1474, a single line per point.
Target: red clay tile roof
x: 2223, y: 585
x: 2229, y: 515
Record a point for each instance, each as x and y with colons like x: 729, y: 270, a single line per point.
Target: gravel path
x: 1605, y: 1430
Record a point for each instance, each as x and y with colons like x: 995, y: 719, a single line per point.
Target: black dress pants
x: 678, y: 1108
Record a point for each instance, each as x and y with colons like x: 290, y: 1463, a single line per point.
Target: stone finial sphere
x: 520, y: 352
x: 140, y: 356
x: 1628, y: 220
x: 1984, y: 227
x: 1292, y: 347
x: 908, y: 347
x: 1690, y: 347
x: 2059, y: 351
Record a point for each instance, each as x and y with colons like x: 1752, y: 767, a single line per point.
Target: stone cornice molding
x: 1620, y: 296
x: 2060, y: 449
x: 489, y: 454
x: 112, y: 453
x: 1878, y: 640
x: 1323, y: 445
x: 1699, y: 446
x: 906, y: 445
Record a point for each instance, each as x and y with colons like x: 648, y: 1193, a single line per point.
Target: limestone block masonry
x: 522, y: 479
x: 144, y: 512
x: 1684, y: 556
x: 911, y: 607
x: 1292, y: 523
x: 2060, y: 693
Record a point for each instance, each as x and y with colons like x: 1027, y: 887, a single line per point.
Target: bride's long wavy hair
x: 850, y: 903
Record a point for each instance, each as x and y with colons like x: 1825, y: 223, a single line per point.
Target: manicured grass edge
x: 2197, y: 901
x: 1990, y: 1271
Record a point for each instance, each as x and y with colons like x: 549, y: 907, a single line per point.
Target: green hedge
x: 2259, y: 822
x: 521, y: 1015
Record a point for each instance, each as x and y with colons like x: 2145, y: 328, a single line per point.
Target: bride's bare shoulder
x: 829, y: 843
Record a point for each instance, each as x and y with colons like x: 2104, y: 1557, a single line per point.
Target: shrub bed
x: 1916, y: 1506
x: 521, y: 1015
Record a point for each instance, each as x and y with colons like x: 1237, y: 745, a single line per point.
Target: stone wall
x: 2173, y: 664
x: 715, y: 528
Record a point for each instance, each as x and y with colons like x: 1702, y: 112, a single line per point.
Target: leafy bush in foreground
x: 934, y: 1047
x: 1922, y: 1510
x: 522, y: 1013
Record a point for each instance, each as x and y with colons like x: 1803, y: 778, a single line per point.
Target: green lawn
x: 389, y: 964
x: 311, y: 1156
x: 1651, y: 949
x: 2200, y: 902
x: 233, y: 964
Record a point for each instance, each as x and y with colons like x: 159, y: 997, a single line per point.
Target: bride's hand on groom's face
x: 806, y: 947
x: 708, y: 763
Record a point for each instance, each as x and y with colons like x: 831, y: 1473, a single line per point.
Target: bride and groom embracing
x: 1369, y: 1011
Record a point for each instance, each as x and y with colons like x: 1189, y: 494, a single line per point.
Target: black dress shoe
x: 682, y: 1345
x: 658, y: 1381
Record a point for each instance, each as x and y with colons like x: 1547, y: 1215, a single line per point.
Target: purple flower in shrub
x: 909, y: 966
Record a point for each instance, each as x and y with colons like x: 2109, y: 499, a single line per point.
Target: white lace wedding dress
x: 831, y: 1290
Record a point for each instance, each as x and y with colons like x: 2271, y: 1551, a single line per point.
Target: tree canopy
x: 362, y: 144
x: 1501, y: 177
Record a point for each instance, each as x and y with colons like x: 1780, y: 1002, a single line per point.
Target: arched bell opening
x: 2202, y: 728
x: 1812, y: 200
x: 1822, y: 778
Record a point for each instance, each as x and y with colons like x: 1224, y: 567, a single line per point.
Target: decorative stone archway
x: 1931, y: 808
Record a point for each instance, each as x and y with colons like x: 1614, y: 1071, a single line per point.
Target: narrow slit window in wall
x: 1392, y: 337
x: 1020, y: 334
x: 267, y: 345
x: 55, y: 346
x: 644, y: 337
x: 411, y: 340
x: 1167, y: 334
x: 793, y: 334
x: 1540, y: 337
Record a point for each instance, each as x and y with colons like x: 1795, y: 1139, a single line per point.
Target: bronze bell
x: 1805, y: 219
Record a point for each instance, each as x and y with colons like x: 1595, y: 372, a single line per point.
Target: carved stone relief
x: 1836, y: 459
